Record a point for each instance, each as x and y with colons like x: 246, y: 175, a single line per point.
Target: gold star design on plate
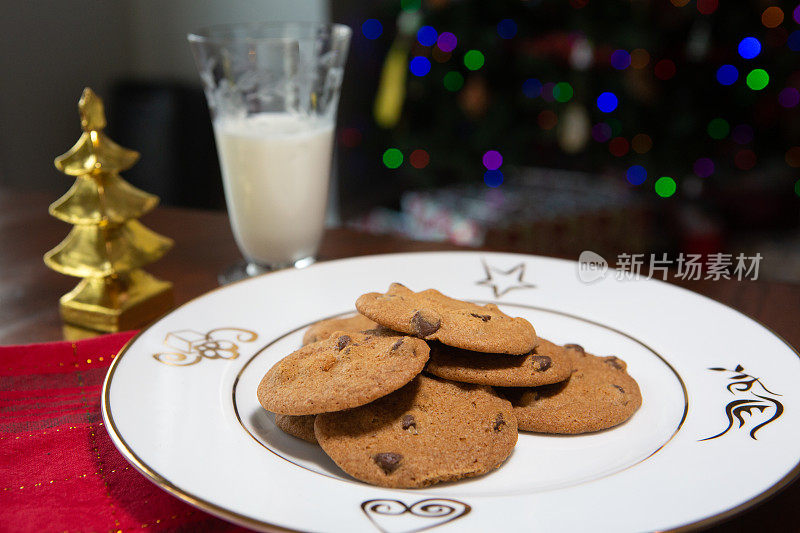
x: 502, y: 281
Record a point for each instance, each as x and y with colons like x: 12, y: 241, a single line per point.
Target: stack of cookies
x: 420, y: 388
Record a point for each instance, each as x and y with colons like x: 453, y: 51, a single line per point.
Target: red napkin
x: 59, y: 470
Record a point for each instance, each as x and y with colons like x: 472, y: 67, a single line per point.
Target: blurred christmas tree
x: 683, y: 98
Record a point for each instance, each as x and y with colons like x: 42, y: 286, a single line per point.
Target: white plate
x: 180, y: 404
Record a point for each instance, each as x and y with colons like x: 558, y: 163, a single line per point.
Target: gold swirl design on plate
x: 191, y: 347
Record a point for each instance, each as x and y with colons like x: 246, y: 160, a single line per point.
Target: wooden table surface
x: 204, y: 245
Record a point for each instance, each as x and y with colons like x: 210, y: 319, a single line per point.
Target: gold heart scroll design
x: 394, y: 516
x: 191, y: 347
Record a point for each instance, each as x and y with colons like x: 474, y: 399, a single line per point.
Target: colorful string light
x: 665, y: 186
x: 392, y: 158
x: 665, y: 69
x: 506, y: 29
x: 447, y: 42
x: 792, y: 157
x: 427, y: 36
x: 796, y: 14
x: 601, y: 132
x: 789, y: 97
x: 493, y: 178
x: 547, y: 119
x: 620, y: 59
x: 618, y: 146
x: 745, y: 159
x: 749, y: 47
x: 531, y: 87
x: 473, y: 59
x: 607, y: 102
x: 703, y: 167
x: 757, y: 79
x: 453, y: 81
x: 718, y: 128
x: 706, y: 7
x: 562, y: 92
x: 410, y: 5
x: 492, y: 160
x: 641, y: 143
x: 640, y: 58
x: 419, y: 158
x: 419, y: 66
x: 372, y: 29
x: 636, y: 175
x: 772, y: 17
x: 547, y: 92
x: 727, y: 74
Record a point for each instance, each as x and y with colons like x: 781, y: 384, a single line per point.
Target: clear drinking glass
x: 273, y: 90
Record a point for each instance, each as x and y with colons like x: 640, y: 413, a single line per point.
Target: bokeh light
x: 419, y: 66
x: 439, y: 55
x: 410, y: 5
x: 703, y: 167
x: 793, y: 42
x: 547, y: 92
x: 665, y: 69
x: 789, y: 97
x: 679, y: 3
x: 706, y: 7
x: 745, y: 159
x: 772, y: 17
x: 641, y: 143
x: 372, y: 28
x: 453, y: 81
x: 492, y: 160
x: 547, y: 119
x: 796, y: 14
x: 419, y: 158
x: 427, y: 36
x: 749, y: 47
x: 350, y: 137
x: 618, y: 146
x: 493, y: 178
x: 742, y: 134
x: 665, y: 186
x: 607, y: 102
x: 531, y: 87
x: 620, y: 59
x: 473, y: 59
x: 447, y: 42
x: 727, y: 74
x: 757, y: 79
x: 601, y: 132
x: 640, y: 58
x: 506, y: 29
x: 792, y: 157
x: 562, y: 91
x: 797, y: 187
x: 718, y: 128
x: 392, y: 158
x: 616, y: 126
x: 636, y: 175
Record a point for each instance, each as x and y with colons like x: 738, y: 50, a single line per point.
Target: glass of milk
x: 273, y: 90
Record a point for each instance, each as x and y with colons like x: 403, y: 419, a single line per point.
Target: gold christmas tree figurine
x: 108, y: 246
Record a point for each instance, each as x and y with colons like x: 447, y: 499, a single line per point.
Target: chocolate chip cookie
x: 433, y: 316
x: 343, y: 371
x: 429, y: 431
x: 598, y: 395
x: 324, y: 328
x: 301, y: 427
x: 547, y: 363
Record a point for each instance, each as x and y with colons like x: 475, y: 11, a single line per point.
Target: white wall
x: 51, y: 49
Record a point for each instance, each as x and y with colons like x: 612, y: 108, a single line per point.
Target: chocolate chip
x: 484, y: 318
x: 425, y: 322
x: 541, y: 362
x: 396, y: 346
x: 577, y: 347
x: 409, y: 422
x: 499, y: 422
x: 615, y: 362
x: 388, y: 461
x: 619, y: 388
x: 343, y: 341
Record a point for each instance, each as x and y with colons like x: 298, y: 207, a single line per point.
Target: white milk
x: 275, y: 169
